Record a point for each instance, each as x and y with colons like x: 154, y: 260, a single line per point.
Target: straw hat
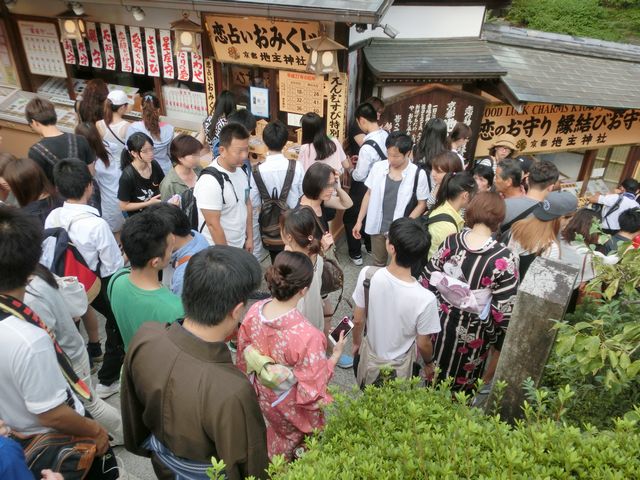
x: 505, y: 140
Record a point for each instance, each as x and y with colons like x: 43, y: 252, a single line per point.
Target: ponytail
x: 453, y: 184
x: 108, y: 110
x: 150, y: 115
x: 135, y: 144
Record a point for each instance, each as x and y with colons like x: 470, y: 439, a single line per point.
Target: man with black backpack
x: 614, y: 204
x: 372, y: 150
x: 54, y: 144
x: 276, y: 186
x: 222, y: 193
x: 543, y: 176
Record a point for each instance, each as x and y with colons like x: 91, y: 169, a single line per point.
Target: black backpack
x: 272, y: 207
x: 377, y: 148
x: 504, y: 233
x: 188, y: 200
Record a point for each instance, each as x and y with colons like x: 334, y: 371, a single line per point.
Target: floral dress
x: 292, y: 341
x: 461, y: 348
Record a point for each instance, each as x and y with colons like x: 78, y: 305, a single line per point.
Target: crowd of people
x: 163, y: 235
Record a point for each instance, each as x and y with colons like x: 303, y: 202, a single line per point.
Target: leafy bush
x: 403, y: 431
x: 613, y: 20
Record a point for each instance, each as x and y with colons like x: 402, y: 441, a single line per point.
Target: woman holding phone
x: 284, y: 356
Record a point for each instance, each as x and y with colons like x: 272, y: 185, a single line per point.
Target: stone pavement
x: 139, y: 468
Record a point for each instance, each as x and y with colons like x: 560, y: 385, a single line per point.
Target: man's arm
x: 425, y: 347
x: 364, y: 206
x: 363, y: 164
x: 64, y: 419
x: 358, y: 328
x: 212, y: 219
x: 134, y: 429
x: 108, y: 250
x: 419, y: 210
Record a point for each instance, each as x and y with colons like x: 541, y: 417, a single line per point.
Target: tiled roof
x: 432, y: 59
x: 552, y: 68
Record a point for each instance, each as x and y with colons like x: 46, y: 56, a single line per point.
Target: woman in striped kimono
x: 475, y: 279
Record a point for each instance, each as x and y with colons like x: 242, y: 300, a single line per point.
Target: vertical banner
x: 150, y: 40
x: 83, y: 56
x: 123, y: 49
x: 137, y: 50
x: 336, y: 90
x: 107, y: 45
x: 69, y: 53
x: 182, y: 58
x: 94, y: 45
x: 168, y: 71
x: 197, y: 68
x: 210, y: 83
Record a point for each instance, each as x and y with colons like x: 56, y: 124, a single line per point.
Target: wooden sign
x: 301, y: 93
x: 210, y: 83
x: 544, y: 127
x: 336, y: 88
x: 123, y: 47
x: 410, y: 111
x: 42, y: 48
x: 261, y: 41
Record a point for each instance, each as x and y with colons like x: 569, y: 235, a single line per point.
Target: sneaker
x: 106, y: 391
x: 345, y: 361
x: 357, y: 260
x: 95, y: 352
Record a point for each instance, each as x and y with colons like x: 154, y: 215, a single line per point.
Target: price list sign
x: 301, y: 93
x: 42, y: 48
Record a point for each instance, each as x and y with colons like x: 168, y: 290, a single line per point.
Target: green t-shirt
x: 133, y: 306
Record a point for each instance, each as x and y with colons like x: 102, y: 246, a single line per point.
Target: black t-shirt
x: 42, y: 208
x: 58, y: 148
x: 135, y: 188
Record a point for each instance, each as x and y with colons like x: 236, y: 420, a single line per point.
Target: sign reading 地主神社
x: 261, y: 41
x: 542, y: 127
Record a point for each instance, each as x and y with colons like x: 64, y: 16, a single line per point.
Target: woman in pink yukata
x: 284, y: 356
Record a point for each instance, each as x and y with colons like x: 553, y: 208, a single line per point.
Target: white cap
x: 118, y: 97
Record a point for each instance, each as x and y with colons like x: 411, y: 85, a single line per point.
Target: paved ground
x: 140, y: 467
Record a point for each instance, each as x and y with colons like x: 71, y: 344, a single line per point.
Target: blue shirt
x: 12, y: 462
x: 197, y: 243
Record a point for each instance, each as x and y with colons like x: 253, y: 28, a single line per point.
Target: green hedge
x: 402, y: 431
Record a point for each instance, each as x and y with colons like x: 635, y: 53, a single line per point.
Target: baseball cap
x: 557, y: 204
x: 118, y: 97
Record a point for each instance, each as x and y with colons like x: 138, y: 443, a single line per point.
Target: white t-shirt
x: 376, y: 182
x: 399, y: 311
x: 233, y: 210
x: 31, y: 380
x: 273, y: 172
x: 612, y: 221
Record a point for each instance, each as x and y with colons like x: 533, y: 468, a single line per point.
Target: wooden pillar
x: 273, y: 94
x: 542, y: 298
x: 631, y: 162
x: 588, y: 162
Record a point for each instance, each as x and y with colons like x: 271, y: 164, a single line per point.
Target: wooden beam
x: 630, y: 163
x: 588, y: 162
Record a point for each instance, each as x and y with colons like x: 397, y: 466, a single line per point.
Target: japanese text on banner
x: 545, y: 127
x: 197, y: 68
x: 83, y: 56
x: 182, y: 58
x: 69, y: 53
x: 337, y: 105
x: 137, y: 49
x: 123, y: 48
x: 107, y: 45
x: 153, y: 66
x: 94, y: 45
x: 261, y: 41
x: 210, y: 84
x: 168, y: 70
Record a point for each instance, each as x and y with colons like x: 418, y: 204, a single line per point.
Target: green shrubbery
x: 402, y: 431
x: 614, y: 20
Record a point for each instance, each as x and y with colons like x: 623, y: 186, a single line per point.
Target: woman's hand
x: 327, y: 241
x: 152, y: 201
x: 338, y: 348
